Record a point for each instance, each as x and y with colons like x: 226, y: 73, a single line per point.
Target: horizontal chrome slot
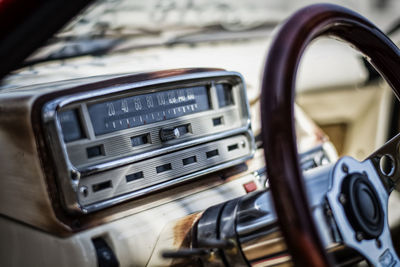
x: 165, y: 168
x: 212, y: 153
x: 233, y: 147
x: 101, y: 186
x: 134, y: 176
x: 189, y: 160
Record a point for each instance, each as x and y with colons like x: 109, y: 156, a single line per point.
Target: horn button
x: 362, y: 206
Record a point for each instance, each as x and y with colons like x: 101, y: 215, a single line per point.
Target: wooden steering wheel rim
x: 277, y: 110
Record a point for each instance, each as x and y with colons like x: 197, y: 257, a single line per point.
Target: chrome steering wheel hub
x: 359, y: 205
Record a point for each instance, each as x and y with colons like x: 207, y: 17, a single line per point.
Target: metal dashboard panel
x: 83, y: 180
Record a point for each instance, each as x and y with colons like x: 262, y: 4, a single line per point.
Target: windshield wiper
x: 214, y: 34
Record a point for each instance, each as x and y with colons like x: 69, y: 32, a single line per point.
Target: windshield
x: 120, y: 25
x: 155, y: 16
x: 119, y: 28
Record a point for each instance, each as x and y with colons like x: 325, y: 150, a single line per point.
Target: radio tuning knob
x: 169, y: 134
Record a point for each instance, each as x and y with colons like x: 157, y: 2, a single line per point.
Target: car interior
x: 199, y: 133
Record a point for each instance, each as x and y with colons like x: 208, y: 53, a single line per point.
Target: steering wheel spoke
x: 386, y: 161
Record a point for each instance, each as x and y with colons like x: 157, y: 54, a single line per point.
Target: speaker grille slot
x: 164, y: 168
x: 212, y: 153
x: 189, y: 160
x: 134, y: 176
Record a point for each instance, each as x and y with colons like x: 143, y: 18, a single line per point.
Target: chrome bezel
x: 68, y: 175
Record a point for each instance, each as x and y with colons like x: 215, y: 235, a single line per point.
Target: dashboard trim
x: 118, y: 199
x: 70, y: 186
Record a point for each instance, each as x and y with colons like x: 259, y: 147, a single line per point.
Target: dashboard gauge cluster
x: 127, y: 140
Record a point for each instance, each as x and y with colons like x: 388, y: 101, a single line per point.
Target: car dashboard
x: 109, y: 163
x: 134, y: 137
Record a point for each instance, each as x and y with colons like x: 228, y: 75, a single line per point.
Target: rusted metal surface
x: 278, y: 91
x: 183, y: 230
x: 176, y: 236
x: 183, y: 238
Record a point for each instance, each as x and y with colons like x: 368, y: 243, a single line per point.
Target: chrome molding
x: 118, y: 199
x: 69, y: 176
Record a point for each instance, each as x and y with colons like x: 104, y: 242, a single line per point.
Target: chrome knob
x: 169, y: 134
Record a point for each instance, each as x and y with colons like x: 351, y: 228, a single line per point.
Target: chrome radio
x: 128, y: 139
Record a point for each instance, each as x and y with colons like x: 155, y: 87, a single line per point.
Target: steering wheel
x: 359, y: 191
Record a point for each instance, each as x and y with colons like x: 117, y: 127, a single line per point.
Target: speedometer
x: 134, y: 111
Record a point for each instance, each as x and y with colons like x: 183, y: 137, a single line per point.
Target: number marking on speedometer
x: 147, y: 108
